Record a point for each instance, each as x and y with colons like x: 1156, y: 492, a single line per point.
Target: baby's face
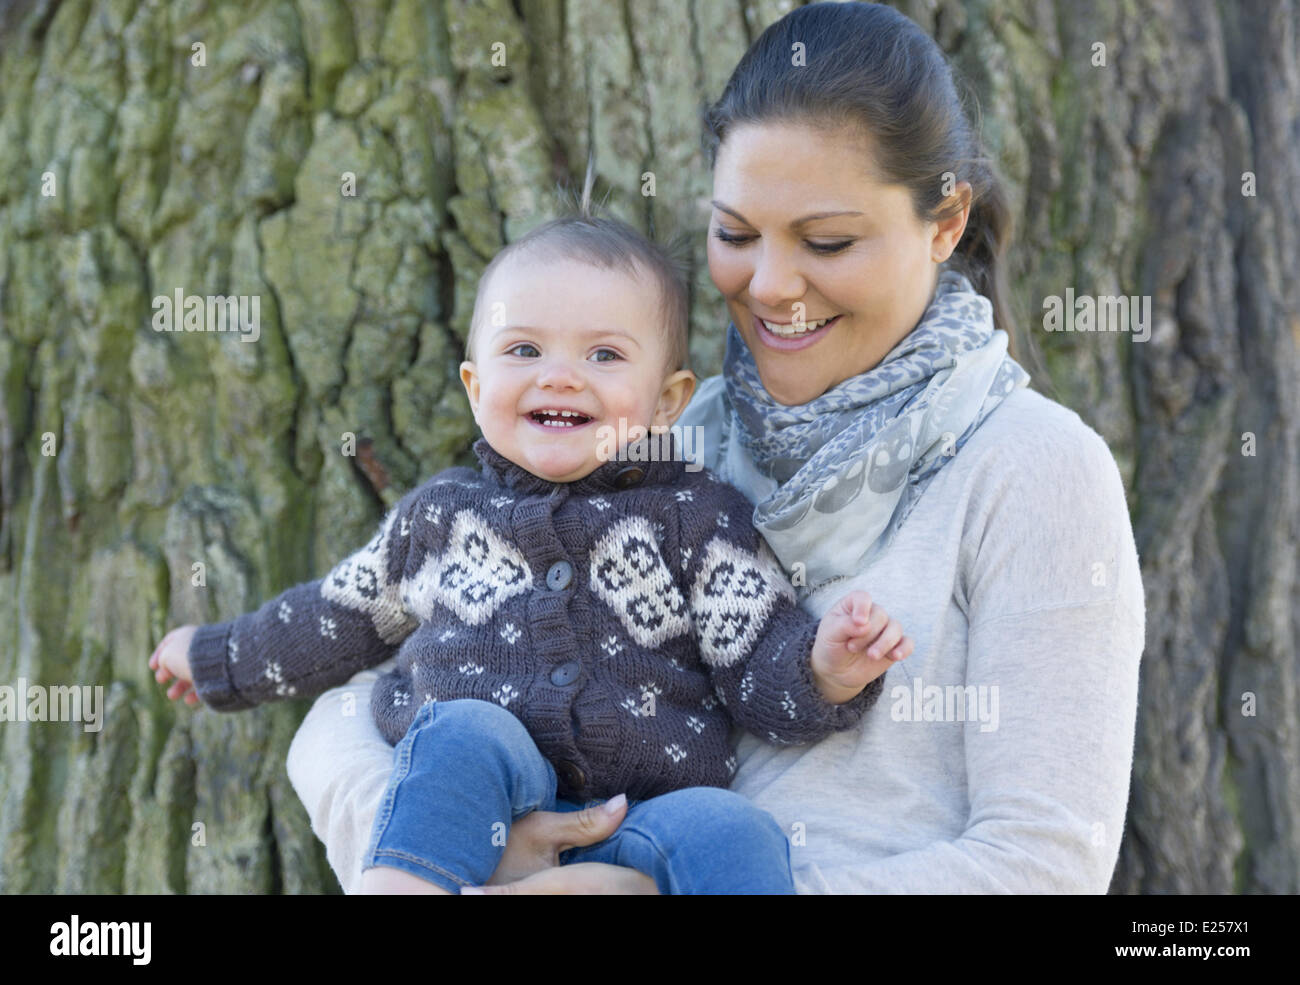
x: 560, y: 335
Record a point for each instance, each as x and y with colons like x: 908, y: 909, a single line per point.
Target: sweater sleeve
x: 1057, y: 621
x: 754, y: 639
x: 316, y: 635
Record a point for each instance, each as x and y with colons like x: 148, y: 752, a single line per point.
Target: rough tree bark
x: 225, y: 178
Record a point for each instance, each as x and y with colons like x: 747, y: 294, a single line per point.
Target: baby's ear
x: 469, y: 377
x: 676, y: 394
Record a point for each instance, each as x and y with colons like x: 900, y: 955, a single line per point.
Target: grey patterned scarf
x: 874, y: 441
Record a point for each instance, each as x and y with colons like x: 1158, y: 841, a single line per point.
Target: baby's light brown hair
x: 607, y: 243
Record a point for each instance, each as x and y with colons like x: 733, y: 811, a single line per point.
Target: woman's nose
x: 776, y: 282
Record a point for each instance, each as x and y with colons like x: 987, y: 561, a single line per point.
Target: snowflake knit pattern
x: 627, y: 619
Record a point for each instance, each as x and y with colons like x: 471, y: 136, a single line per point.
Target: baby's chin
x: 555, y: 465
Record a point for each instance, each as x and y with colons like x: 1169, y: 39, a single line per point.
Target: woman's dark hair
x: 868, y: 68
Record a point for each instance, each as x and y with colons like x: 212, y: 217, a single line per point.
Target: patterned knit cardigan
x: 619, y: 617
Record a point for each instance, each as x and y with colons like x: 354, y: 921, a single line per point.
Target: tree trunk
x: 151, y: 478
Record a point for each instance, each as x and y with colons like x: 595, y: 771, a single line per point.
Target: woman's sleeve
x: 1057, y: 624
x: 339, y: 766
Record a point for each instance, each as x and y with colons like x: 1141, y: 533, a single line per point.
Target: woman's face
x: 800, y: 233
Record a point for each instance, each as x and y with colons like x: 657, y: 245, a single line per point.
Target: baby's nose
x: 559, y: 373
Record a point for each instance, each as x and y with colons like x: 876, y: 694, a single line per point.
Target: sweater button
x: 570, y: 775
x: 566, y: 673
x: 559, y: 575
x: 629, y: 476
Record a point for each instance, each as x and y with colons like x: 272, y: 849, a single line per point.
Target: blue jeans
x: 465, y: 770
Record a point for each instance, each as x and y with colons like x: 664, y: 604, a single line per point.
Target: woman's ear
x: 948, y: 232
x: 674, y: 397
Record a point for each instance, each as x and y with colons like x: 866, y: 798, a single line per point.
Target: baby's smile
x: 558, y: 418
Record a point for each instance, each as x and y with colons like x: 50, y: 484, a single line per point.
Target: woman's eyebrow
x: 797, y: 222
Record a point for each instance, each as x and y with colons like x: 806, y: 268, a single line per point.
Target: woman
x: 869, y: 409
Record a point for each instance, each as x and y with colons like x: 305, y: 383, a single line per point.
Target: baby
x: 578, y: 621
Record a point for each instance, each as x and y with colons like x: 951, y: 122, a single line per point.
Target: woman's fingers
x: 536, y: 839
x: 578, y: 829
x: 579, y: 879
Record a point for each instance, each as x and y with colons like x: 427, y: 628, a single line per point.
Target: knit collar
x: 632, y: 467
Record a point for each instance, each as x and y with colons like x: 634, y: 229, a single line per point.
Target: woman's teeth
x: 794, y: 331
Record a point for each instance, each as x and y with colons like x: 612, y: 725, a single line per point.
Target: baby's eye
x: 521, y: 345
x: 610, y: 351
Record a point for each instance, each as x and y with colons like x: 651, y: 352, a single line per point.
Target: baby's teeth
x: 558, y: 418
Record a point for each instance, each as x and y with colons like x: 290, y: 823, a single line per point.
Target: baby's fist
x: 856, y: 643
x: 172, y: 660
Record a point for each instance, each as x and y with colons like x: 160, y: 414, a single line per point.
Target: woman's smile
x: 788, y: 338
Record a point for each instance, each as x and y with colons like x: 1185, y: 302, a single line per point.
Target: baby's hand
x: 172, y: 659
x: 856, y: 643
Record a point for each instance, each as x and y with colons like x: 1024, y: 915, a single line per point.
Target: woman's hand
x: 579, y: 879
x: 531, y: 863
